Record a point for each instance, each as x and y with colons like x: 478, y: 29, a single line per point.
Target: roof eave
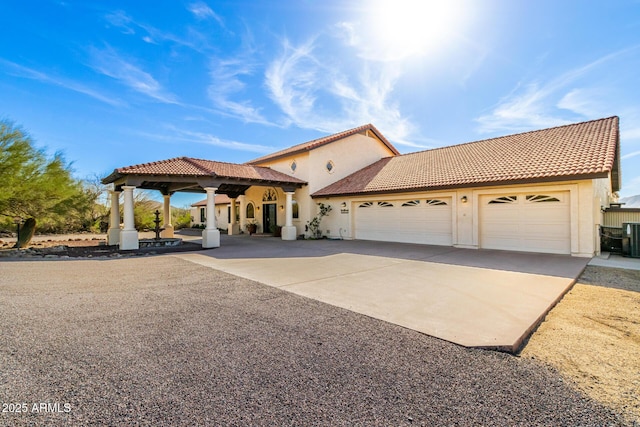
x: 369, y: 127
x: 319, y: 194
x: 111, y: 178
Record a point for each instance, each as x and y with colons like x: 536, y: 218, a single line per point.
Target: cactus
x: 26, y: 233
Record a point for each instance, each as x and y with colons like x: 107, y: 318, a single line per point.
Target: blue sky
x: 116, y: 83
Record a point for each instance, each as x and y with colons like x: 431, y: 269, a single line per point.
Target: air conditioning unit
x: 631, y: 239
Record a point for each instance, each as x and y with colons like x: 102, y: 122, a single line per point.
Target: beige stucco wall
x: 255, y: 195
x: 348, y: 156
x: 585, y: 201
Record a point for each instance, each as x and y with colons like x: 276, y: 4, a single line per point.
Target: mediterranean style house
x: 539, y: 191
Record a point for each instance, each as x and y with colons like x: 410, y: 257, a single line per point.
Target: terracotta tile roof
x: 310, y: 145
x: 221, y: 199
x: 187, y: 166
x: 581, y: 150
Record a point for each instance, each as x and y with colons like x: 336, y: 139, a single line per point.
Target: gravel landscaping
x: 160, y: 341
x: 592, y: 337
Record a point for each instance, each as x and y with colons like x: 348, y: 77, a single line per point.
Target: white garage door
x: 531, y: 222
x: 426, y: 221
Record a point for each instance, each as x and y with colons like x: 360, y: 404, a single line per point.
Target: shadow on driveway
x: 246, y: 247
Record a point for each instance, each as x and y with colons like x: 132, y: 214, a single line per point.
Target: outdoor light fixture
x: 344, y: 205
x: 463, y: 199
x: 281, y: 207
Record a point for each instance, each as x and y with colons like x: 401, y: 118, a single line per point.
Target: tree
x: 34, y: 186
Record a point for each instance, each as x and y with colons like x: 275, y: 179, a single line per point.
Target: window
x: 366, y: 205
x: 435, y: 202
x: 203, y: 217
x: 330, y: 166
x: 385, y: 205
x: 541, y: 199
x: 294, y: 166
x: 295, y: 209
x: 269, y: 196
x: 250, y: 210
x: 503, y: 200
x: 411, y: 203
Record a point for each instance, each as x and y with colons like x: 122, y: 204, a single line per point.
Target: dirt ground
x: 592, y: 337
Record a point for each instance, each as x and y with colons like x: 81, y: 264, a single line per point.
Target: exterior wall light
x: 281, y: 207
x: 344, y: 205
x: 463, y: 199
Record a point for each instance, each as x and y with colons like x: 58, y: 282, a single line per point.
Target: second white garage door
x: 425, y: 221
x: 531, y: 222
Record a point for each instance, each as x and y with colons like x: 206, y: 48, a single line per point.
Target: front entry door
x: 269, y: 217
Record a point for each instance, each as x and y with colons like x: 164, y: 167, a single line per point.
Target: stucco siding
x: 347, y: 155
x: 465, y: 219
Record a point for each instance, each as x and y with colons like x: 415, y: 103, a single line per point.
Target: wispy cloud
x: 226, y: 82
x: 630, y: 155
x: 630, y: 187
x: 534, y: 104
x: 313, y: 95
x: 631, y: 132
x: 292, y: 79
x: 150, y: 34
x: 584, y: 101
x: 108, y: 62
x: 18, y: 70
x: 173, y: 134
x: 202, y: 11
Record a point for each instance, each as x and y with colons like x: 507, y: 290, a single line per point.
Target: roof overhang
x: 319, y: 194
x: 172, y: 183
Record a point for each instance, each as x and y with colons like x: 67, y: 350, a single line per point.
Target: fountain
x: 159, y: 241
x: 158, y: 229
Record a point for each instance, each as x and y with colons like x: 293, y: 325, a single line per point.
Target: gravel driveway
x: 161, y: 341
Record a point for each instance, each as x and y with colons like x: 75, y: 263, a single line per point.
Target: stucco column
x: 129, y: 234
x: 243, y: 212
x: 113, y: 235
x: 233, y: 227
x: 289, y: 231
x: 211, y: 235
x: 166, y: 216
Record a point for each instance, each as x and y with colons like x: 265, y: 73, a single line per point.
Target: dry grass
x: 592, y: 337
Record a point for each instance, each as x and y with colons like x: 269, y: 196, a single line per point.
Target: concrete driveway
x: 475, y: 298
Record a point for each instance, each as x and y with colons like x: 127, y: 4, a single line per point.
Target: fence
x: 614, y: 217
x: 611, y: 229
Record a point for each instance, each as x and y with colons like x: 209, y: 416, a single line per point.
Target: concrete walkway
x: 475, y: 298
x: 607, y: 259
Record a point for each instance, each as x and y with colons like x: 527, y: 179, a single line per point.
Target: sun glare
x: 404, y: 28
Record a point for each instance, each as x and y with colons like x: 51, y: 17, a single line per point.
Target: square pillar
x: 166, y: 216
x: 113, y: 234
x: 211, y: 235
x: 289, y: 231
x: 233, y: 227
x: 129, y: 234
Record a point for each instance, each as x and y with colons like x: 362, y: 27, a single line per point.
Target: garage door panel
x: 526, y: 222
x: 415, y: 222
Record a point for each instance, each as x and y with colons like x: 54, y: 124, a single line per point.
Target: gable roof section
x: 576, y: 151
x: 310, y: 145
x: 187, y: 166
x: 221, y: 199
